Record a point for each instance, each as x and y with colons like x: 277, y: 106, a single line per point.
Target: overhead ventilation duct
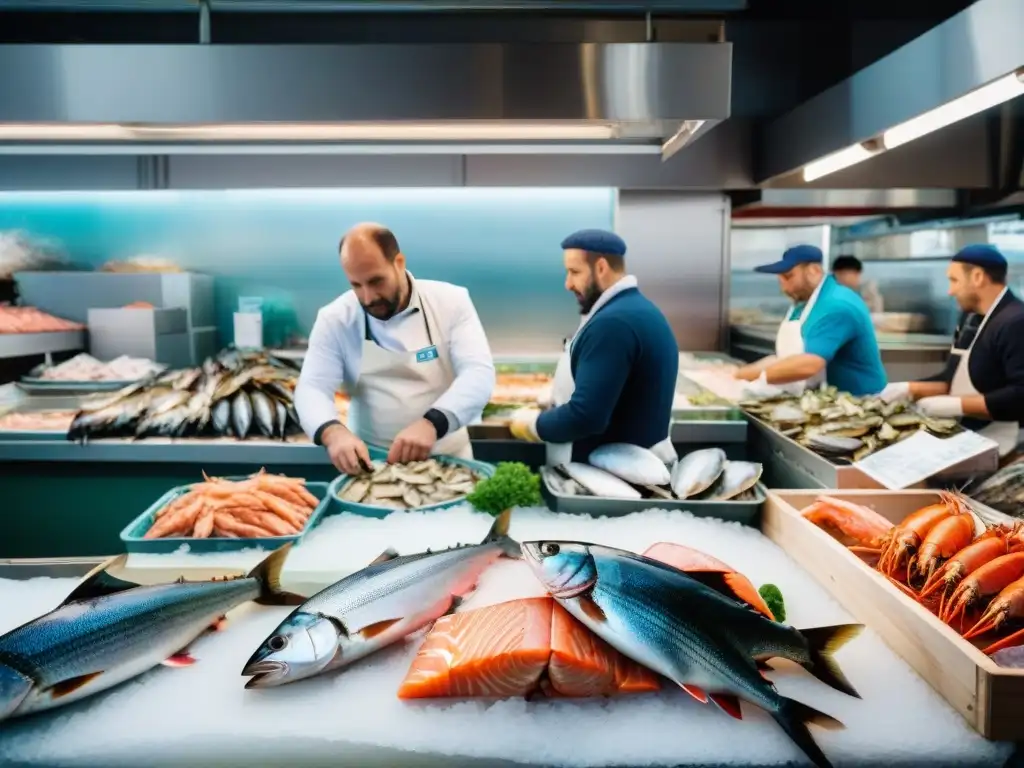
x: 661, y: 96
x: 970, y: 63
x: 376, y: 6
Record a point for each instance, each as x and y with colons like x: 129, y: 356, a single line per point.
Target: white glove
x: 941, y: 406
x: 544, y: 397
x: 899, y: 390
x: 761, y: 388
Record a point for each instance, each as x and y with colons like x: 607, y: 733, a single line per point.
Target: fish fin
x: 499, y: 535
x: 794, y: 716
x: 718, y: 581
x: 822, y: 642
x: 457, y: 601
x: 99, y: 582
x: 592, y: 609
x: 220, y: 624
x: 763, y: 665
x: 728, y: 704
x: 180, y: 659
x: 372, y: 630
x: 268, y: 573
x: 697, y: 693
x: 72, y: 684
x: 388, y: 554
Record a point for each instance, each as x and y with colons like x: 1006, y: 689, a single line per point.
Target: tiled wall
x: 502, y: 244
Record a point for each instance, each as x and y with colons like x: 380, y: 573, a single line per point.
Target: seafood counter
x: 470, y: 638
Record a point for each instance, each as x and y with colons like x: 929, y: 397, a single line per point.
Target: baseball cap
x: 798, y: 254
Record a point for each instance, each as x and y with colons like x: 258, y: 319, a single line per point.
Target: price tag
x: 919, y: 457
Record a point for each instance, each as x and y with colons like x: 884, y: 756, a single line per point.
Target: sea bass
x: 632, y: 463
x: 108, y: 631
x: 690, y: 629
x: 697, y: 471
x: 388, y: 600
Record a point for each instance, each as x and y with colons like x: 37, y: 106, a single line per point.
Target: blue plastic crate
x: 133, y: 534
x: 336, y: 505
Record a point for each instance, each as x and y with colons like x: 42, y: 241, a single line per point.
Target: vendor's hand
x: 941, y: 406
x: 899, y: 390
x: 347, y: 452
x: 760, y: 387
x: 413, y: 443
x: 747, y: 373
x: 544, y: 397
x: 523, y: 425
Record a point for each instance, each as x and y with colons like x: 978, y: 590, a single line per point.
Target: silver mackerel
x: 383, y: 603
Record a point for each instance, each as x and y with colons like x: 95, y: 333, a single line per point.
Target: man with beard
x: 616, y: 379
x: 412, y: 355
x: 826, y: 337
x: 984, y: 377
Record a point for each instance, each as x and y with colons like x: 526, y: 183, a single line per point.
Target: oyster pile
x: 841, y: 427
x: 410, y: 486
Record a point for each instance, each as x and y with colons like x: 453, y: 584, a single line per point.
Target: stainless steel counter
x: 906, y: 356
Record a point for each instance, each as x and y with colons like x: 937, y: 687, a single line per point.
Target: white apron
x: 396, y: 388
x: 563, y: 384
x: 1005, y: 433
x: 789, y: 341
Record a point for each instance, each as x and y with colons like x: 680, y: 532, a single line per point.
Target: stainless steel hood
x: 616, y: 94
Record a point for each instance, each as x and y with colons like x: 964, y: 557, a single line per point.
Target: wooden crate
x: 988, y: 696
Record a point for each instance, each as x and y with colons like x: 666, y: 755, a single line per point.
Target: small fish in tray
x: 411, y: 485
x: 843, y: 428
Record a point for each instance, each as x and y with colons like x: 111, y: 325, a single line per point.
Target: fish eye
x: 277, y: 643
x: 549, y: 549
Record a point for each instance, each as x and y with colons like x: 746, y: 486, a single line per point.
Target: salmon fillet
x: 517, y: 648
x: 686, y: 559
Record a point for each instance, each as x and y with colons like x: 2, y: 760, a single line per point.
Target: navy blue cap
x: 596, y: 241
x: 798, y: 254
x: 980, y: 255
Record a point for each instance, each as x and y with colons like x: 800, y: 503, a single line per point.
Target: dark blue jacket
x: 625, y: 363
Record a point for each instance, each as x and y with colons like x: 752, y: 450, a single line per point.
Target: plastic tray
x: 745, y: 512
x: 336, y: 505
x: 132, y: 535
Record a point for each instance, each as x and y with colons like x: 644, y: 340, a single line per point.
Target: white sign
x: 921, y: 456
x: 248, y: 330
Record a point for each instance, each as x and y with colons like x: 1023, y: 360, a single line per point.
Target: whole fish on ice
x: 391, y: 598
x: 630, y: 462
x: 697, y: 471
x: 690, y: 628
x: 108, y: 631
x: 600, y: 483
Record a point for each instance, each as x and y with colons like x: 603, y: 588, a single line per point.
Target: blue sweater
x: 625, y: 363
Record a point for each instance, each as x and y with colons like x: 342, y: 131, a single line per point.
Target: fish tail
x: 499, y: 535
x: 822, y: 642
x: 268, y: 574
x: 794, y: 716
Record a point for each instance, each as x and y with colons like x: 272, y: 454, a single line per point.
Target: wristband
x: 320, y: 431
x: 439, y: 420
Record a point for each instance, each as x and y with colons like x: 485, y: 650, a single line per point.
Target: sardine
x: 697, y: 471
x: 220, y: 416
x: 281, y: 411
x: 737, y: 477
x: 108, y: 631
x: 600, y: 483
x: 630, y: 462
x: 264, y: 414
x: 388, y: 600
x: 241, y: 414
x: 690, y: 628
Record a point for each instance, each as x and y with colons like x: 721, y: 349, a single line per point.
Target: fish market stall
x: 355, y: 715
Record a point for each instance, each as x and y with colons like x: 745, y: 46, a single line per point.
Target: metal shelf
x: 24, y: 344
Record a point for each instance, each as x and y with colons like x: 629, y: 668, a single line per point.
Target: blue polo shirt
x: 840, y: 330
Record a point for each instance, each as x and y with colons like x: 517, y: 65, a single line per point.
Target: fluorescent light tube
x: 996, y: 92
x: 837, y: 161
x: 367, y: 132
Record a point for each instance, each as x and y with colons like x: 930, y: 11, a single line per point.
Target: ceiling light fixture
x: 989, y: 95
x: 325, y: 132
x: 837, y: 161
